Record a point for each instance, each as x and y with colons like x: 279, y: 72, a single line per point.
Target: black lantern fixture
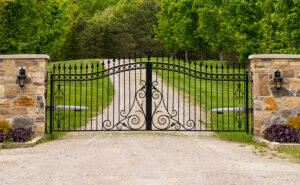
x: 22, y: 77
x: 278, y: 79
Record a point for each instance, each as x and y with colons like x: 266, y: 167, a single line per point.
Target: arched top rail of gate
x: 99, y: 70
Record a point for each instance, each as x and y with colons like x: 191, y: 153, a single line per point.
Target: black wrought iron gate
x: 151, y: 94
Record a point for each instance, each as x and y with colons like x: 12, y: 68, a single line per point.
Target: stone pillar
x: 272, y: 105
x: 24, y: 107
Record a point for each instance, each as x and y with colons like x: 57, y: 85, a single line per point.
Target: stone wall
x: 24, y: 107
x: 272, y: 105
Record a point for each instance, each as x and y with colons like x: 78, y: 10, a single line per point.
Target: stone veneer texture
x: 24, y: 107
x: 270, y: 105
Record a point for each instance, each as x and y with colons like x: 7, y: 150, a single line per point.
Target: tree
x: 178, y: 26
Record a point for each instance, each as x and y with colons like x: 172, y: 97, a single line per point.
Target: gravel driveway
x: 97, y: 158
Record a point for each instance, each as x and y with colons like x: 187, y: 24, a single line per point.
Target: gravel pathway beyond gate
x: 142, y: 159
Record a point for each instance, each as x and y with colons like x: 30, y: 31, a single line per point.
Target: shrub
x: 20, y: 134
x: 3, y: 137
x: 294, y: 122
x: 5, y: 127
x: 282, y: 134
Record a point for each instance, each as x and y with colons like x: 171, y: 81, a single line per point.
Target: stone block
x: 38, y: 81
x: 295, y: 84
x: 12, y: 89
x: 40, y: 119
x: 4, y: 111
x: 295, y: 65
x: 24, y: 101
x: 10, y: 80
x: 298, y: 74
x: 2, y: 70
x: 292, y: 102
x: 271, y: 104
x: 257, y: 123
x: 9, y: 67
x: 32, y: 68
x: 288, y: 113
x: 280, y: 63
x: 2, y: 91
x: 288, y: 74
x: 30, y: 89
x: 4, y: 103
x: 263, y: 82
x: 23, y: 122
x: 39, y: 128
x: 262, y: 115
x: 42, y: 65
x: 25, y: 62
x: 18, y: 111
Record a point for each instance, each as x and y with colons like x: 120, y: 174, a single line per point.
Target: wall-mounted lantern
x: 22, y: 77
x: 277, y: 78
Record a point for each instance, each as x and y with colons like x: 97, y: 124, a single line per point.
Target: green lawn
x: 80, y: 93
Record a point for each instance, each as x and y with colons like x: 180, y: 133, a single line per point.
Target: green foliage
x: 5, y: 127
x: 30, y: 26
x: 294, y: 122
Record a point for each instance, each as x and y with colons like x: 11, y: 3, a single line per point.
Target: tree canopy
x: 73, y: 29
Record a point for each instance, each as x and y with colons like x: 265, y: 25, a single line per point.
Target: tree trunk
x: 186, y: 55
x: 221, y: 57
x: 201, y: 53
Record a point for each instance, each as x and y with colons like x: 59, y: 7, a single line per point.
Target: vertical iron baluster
x: 75, y: 75
x: 173, y: 93
x: 134, y: 73
x: 222, y: 68
x: 70, y: 76
x: 233, y: 99
x: 179, y: 67
x: 141, y: 56
x: 247, y: 102
x: 183, y: 116
x: 211, y: 95
x: 190, y: 62
x: 206, y: 76
x: 92, y: 83
x: 51, y: 101
x: 217, y: 97
x: 119, y: 91
x: 162, y: 77
x: 200, y: 76
x: 129, y: 89
x: 124, y: 66
x: 102, y: 94
x: 114, y: 61
x: 97, y: 106
x: 239, y: 85
x: 86, y: 100
x: 156, y: 65
x: 81, y: 75
x: 59, y: 87
x: 64, y: 68
x: 195, y: 94
x: 228, y: 95
x: 168, y: 82
x: 107, y: 97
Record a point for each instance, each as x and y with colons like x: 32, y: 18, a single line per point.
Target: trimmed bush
x: 5, y: 127
x: 20, y: 134
x: 282, y: 134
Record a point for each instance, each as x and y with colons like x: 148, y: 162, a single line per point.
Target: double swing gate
x: 148, y: 94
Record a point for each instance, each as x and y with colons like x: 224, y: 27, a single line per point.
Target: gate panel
x: 149, y: 94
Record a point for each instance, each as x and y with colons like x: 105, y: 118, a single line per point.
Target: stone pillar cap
x: 25, y: 56
x: 275, y: 56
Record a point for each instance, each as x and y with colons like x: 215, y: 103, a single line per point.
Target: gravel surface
x: 97, y: 158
